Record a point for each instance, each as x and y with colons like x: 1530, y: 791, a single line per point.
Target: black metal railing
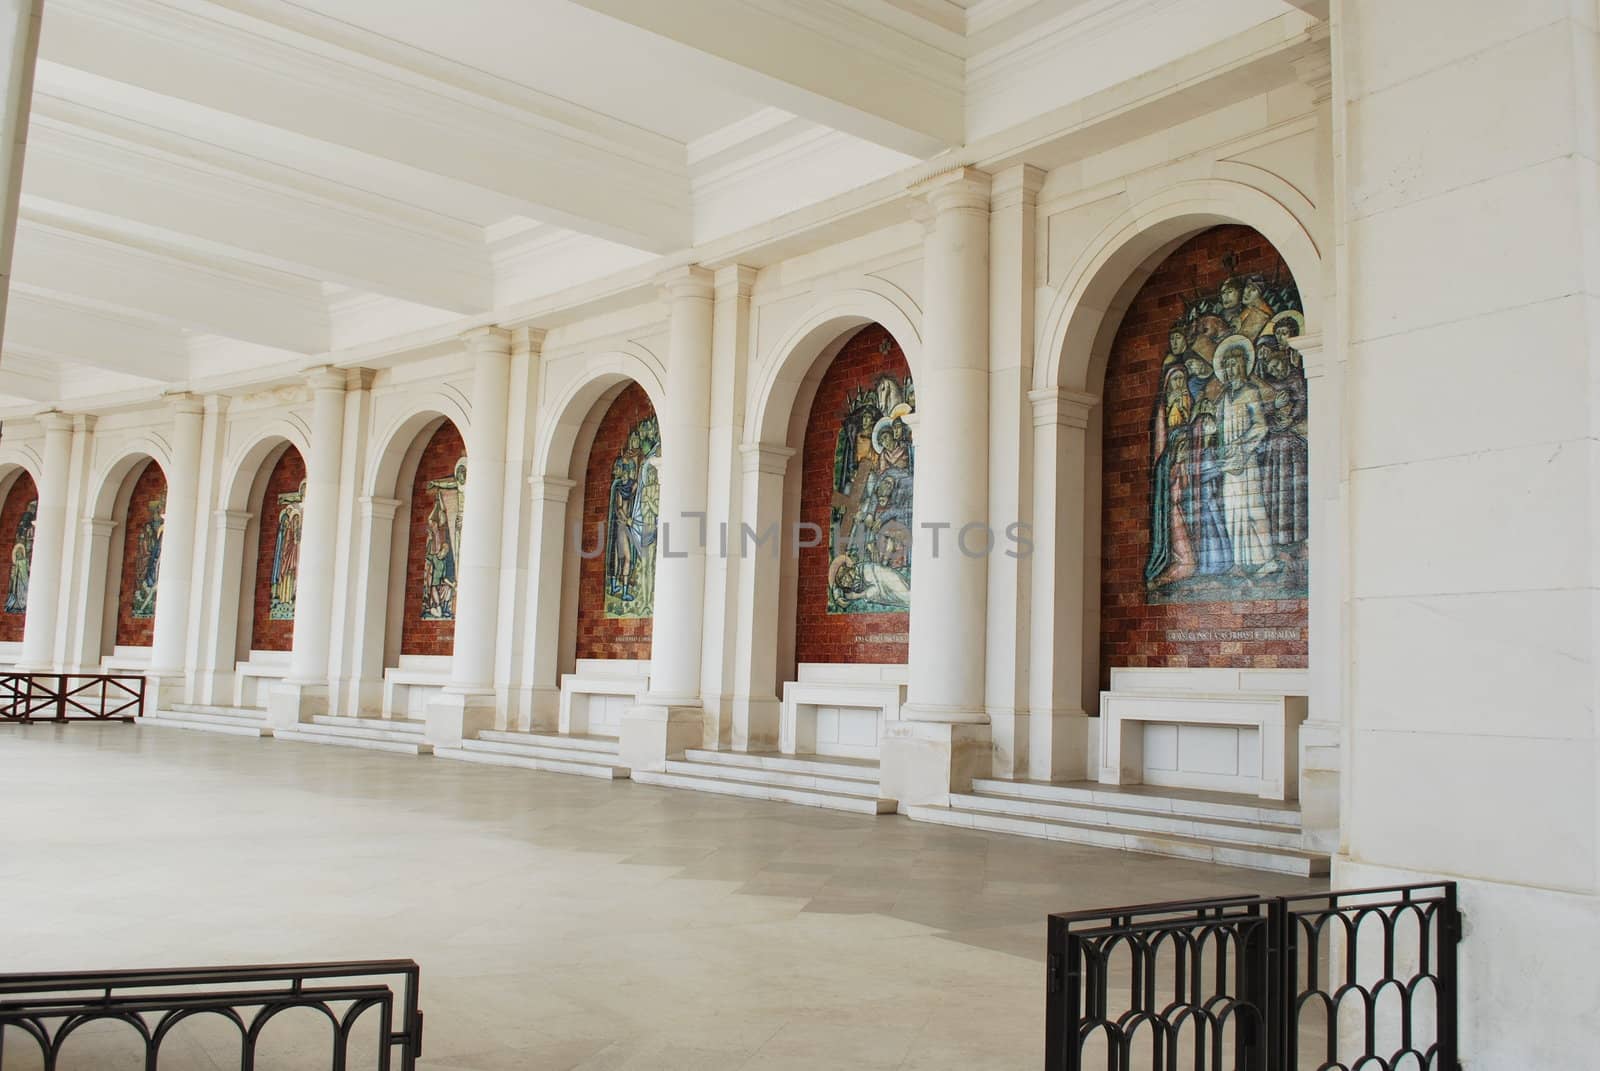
x: 1344, y: 981
x: 43, y: 1012
x: 28, y: 697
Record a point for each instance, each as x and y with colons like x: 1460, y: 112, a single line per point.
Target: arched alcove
x: 19, y: 510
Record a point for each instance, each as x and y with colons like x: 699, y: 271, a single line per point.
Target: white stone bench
x: 126, y: 660
x: 598, y: 692
x: 408, y: 686
x: 840, y: 709
x: 254, y: 678
x: 1226, y: 730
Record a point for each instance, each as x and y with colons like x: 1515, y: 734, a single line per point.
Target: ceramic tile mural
x: 286, y: 554
x: 21, y: 559
x: 441, y: 556
x: 1228, y: 480
x: 147, y: 556
x: 633, y: 506
x: 869, y: 538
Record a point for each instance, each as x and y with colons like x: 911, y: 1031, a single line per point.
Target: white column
x: 943, y: 739
x: 375, y: 542
x: 44, y: 580
x: 1472, y: 347
x: 19, y: 50
x: 756, y: 699
x: 730, y: 358
x: 669, y: 718
x: 219, y: 645
x: 176, y: 578
x: 517, y: 547
x: 304, y: 693
x: 467, y: 704
x: 1060, y: 617
x: 548, y: 496
x: 351, y: 594
x: 1013, y: 234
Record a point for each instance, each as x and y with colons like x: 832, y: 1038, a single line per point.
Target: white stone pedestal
x: 291, y: 702
x: 923, y: 762
x: 458, y: 714
x: 654, y: 732
x: 161, y: 690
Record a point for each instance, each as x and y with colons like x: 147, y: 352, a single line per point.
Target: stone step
x: 601, y: 745
x: 782, y: 778
x: 214, y: 716
x: 497, y: 757
x: 206, y: 723
x: 723, y: 783
x: 541, y: 751
x: 1251, y: 857
x: 221, y: 712
x: 378, y: 725
x: 397, y: 743
x: 1231, y: 830
x: 1148, y: 798
x: 839, y: 769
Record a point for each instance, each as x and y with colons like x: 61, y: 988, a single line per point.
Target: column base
x: 922, y: 762
x: 1320, y: 752
x: 291, y: 702
x: 1058, y: 746
x: 540, y: 709
x: 654, y: 732
x: 1009, y: 731
x: 716, y: 731
x: 755, y: 724
x: 455, y: 715
x: 162, y: 689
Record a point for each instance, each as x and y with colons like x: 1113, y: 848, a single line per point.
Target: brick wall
x: 149, y: 495
x: 439, y: 457
x: 600, y: 636
x: 821, y: 636
x: 1133, y: 630
x: 22, y: 493
x: 287, y: 476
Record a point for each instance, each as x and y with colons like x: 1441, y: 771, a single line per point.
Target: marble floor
x: 560, y: 922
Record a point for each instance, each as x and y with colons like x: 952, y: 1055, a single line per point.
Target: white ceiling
x: 223, y: 185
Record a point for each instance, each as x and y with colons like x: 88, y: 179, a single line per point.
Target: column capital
x: 686, y: 281
x: 325, y: 378
x: 735, y: 280
x: 84, y: 421
x: 550, y: 488
x: 231, y: 520
x: 1312, y: 354
x: 184, y: 404
x: 382, y: 509
x: 1315, y: 71
x: 529, y: 340
x: 487, y: 339
x: 98, y: 527
x: 56, y: 421
x: 1064, y: 408
x: 960, y: 189
x: 359, y: 378
x: 1019, y: 185
x: 770, y: 458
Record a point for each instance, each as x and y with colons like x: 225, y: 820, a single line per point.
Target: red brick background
x: 439, y: 457
x: 265, y: 633
x: 1133, y: 633
x: 819, y: 635
x: 22, y: 492
x: 600, y: 636
x: 135, y: 631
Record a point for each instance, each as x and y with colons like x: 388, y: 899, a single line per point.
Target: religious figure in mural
x: 148, y: 558
x: 22, y: 560
x: 1228, y: 488
x: 633, y: 507
x: 441, y: 553
x: 869, y: 538
x: 286, y: 554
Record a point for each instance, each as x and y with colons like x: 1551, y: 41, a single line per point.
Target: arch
x: 243, y: 467
x: 554, y: 450
x: 1076, y: 334
x: 811, y: 343
x: 383, y: 476
x: 109, y: 477
x: 23, y: 455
